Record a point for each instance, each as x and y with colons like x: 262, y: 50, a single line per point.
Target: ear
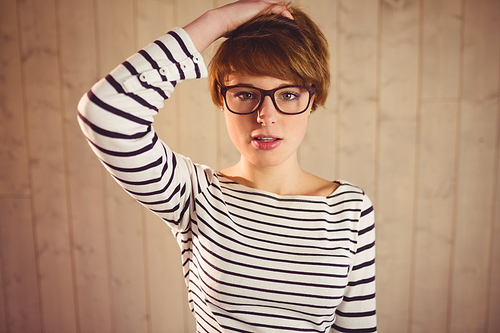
x: 219, y: 95
x: 312, y: 104
x: 221, y: 101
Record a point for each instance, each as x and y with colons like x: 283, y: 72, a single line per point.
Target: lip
x: 266, y: 142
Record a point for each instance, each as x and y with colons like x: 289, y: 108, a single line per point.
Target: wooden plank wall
x: 413, y: 118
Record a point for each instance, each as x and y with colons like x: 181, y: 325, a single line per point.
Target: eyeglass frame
x: 310, y: 89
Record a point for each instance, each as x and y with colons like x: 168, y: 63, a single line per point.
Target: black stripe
x: 119, y: 89
x: 366, y: 247
x: 365, y: 230
x: 359, y: 298
x: 147, y: 181
x: 186, y: 51
x: 137, y: 169
x: 367, y: 211
x: 362, y: 281
x: 97, y: 101
x: 164, y: 201
x: 133, y: 71
x: 355, y: 314
x: 111, y: 134
x: 129, y: 153
x: 170, y: 57
x: 354, y: 330
x: 363, y: 265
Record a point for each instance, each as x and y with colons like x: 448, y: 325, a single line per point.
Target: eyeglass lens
x: 247, y: 99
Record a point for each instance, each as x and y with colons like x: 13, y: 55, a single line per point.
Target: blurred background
x: 413, y: 118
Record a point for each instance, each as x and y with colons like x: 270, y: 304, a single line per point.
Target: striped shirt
x: 253, y: 261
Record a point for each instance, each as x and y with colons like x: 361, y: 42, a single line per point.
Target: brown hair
x: 273, y: 45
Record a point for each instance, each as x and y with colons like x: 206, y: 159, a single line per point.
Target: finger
x: 281, y: 10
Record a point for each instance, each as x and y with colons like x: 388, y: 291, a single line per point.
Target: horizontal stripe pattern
x: 253, y: 261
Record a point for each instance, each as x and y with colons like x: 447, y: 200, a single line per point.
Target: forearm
x: 206, y: 29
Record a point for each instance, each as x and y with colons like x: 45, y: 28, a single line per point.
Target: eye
x: 289, y: 96
x: 245, y: 95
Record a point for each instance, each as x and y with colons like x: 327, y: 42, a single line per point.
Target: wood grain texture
x: 494, y: 278
x: 79, y: 70
x: 440, y: 50
x: 397, y: 152
x: 14, y: 176
x: 358, y: 113
x: 18, y: 266
x: 3, y: 312
x: 318, y: 152
x: 478, y: 144
x: 40, y: 64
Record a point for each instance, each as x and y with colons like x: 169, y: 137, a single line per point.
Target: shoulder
x: 317, y: 186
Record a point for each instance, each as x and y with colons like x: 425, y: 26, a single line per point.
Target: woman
x: 266, y: 246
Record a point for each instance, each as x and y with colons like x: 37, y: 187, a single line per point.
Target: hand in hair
x: 219, y: 22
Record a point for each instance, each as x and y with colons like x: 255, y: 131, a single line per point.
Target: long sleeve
x: 356, y: 312
x: 116, y: 116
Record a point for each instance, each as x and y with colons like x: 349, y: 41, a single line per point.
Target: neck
x: 283, y: 179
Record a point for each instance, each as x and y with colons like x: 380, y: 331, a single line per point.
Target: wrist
x: 205, y: 30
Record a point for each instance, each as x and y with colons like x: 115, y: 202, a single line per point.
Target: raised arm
x: 117, y: 114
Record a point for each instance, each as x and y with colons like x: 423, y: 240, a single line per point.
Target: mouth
x: 265, y: 142
x: 266, y: 139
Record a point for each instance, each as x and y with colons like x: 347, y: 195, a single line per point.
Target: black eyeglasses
x: 245, y: 99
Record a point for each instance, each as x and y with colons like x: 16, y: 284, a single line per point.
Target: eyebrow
x: 253, y: 86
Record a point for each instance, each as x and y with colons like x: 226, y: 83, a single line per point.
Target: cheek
x: 300, y: 130
x: 235, y: 128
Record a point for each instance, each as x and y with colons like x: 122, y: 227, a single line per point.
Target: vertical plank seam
x: 104, y: 183
x: 146, y: 267
x: 495, y: 196
x: 218, y: 129
x: 456, y: 185
x: 338, y: 80
x: 175, y: 9
x: 378, y: 111
x: 178, y: 135
x: 30, y: 171
x: 144, y: 227
x: 108, y: 249
x: 416, y: 175
x: 62, y: 104
x: 2, y: 284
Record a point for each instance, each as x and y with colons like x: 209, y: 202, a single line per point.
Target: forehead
x: 263, y: 82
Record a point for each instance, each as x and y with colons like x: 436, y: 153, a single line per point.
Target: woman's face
x: 266, y: 137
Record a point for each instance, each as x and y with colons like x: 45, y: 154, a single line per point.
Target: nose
x: 267, y: 113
